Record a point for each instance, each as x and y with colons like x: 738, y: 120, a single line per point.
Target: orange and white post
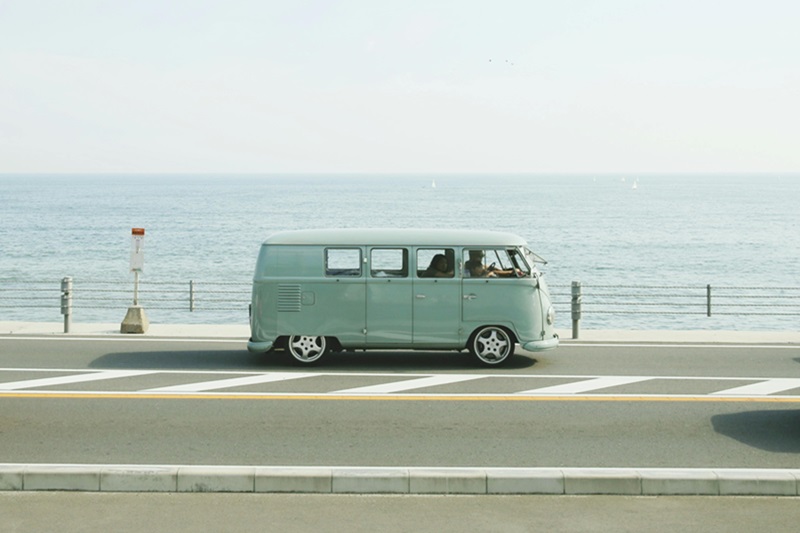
x: 137, y: 259
x: 136, y: 320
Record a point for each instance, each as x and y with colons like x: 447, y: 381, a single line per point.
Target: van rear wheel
x: 492, y: 345
x: 307, y: 349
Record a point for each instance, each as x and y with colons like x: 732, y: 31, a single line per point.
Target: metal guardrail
x: 80, y: 294
x: 576, y: 299
x: 705, y: 300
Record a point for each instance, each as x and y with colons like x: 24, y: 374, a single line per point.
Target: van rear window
x: 343, y: 262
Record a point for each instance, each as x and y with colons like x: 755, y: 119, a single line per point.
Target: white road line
x: 231, y: 382
x: 409, y: 384
x: 79, y: 378
x: 587, y: 385
x: 788, y: 345
x: 112, y: 338
x: 763, y: 388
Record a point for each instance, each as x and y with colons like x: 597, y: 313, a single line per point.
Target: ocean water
x: 737, y: 231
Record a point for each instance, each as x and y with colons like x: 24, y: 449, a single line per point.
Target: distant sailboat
x: 433, y: 184
x: 635, y: 184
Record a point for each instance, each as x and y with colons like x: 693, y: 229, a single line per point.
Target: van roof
x: 393, y: 236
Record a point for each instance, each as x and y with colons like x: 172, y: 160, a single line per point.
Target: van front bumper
x: 538, y: 346
x: 259, y: 346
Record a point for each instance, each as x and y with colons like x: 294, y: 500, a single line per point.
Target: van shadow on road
x: 179, y: 360
x: 371, y: 361
x: 772, y: 431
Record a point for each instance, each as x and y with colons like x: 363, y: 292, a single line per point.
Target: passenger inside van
x: 438, y: 268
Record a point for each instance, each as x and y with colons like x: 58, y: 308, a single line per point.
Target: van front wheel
x: 307, y: 349
x: 492, y: 345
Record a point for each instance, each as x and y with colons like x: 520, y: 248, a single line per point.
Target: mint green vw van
x: 328, y: 290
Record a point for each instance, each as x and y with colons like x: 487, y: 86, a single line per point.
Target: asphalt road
x: 154, y: 401
x: 289, y: 513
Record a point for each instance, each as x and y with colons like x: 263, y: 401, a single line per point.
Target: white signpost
x: 137, y: 259
x: 136, y: 320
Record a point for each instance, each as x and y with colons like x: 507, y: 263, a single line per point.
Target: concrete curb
x: 404, y: 480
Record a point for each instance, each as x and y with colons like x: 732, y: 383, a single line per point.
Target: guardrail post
x: 577, y: 297
x: 708, y: 300
x: 191, y: 296
x: 66, y: 302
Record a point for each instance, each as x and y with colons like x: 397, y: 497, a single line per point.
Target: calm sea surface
x: 740, y: 231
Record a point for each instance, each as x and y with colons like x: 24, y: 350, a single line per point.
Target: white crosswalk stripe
x: 385, y: 384
x: 587, y: 385
x: 74, y: 378
x: 770, y: 386
x: 410, y: 384
x: 231, y: 382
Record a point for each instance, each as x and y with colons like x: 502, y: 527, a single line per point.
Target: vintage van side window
x: 494, y: 263
x: 388, y: 263
x: 435, y: 262
x: 341, y: 262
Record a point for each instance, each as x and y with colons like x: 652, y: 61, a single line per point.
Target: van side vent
x: 289, y: 298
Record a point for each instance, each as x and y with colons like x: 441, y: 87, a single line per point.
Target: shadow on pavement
x: 772, y: 431
x: 179, y: 360
x: 379, y: 360
x: 372, y: 361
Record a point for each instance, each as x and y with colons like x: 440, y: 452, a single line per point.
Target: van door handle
x: 420, y: 296
x: 470, y: 296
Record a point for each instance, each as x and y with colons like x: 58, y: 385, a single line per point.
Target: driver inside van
x: 475, y: 268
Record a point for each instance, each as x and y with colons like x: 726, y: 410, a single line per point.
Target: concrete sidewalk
x: 242, y: 332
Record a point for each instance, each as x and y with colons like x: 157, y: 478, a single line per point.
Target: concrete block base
x: 135, y: 321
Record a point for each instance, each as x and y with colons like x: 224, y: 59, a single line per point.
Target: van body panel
x: 364, y: 288
x: 337, y: 310
x: 388, y: 312
x: 437, y: 320
x: 488, y: 298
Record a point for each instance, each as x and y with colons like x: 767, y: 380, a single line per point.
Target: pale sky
x: 405, y: 86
